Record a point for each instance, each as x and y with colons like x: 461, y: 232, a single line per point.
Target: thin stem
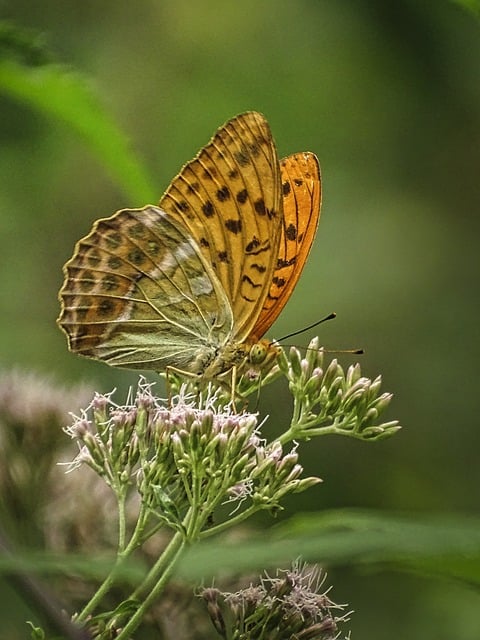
x: 229, y: 523
x: 122, y: 521
x: 173, y: 552
x: 308, y: 429
x: 163, y: 560
x: 39, y: 598
x: 123, y: 554
x: 103, y: 589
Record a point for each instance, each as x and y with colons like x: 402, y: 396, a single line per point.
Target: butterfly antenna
x: 331, y: 316
x: 357, y: 352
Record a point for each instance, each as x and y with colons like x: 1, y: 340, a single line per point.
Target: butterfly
x: 195, y: 282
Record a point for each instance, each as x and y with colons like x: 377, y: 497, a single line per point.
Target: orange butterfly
x: 194, y: 283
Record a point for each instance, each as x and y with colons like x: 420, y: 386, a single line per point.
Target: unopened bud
x: 295, y: 362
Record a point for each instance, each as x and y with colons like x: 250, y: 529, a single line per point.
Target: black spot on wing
x: 208, y: 209
x: 235, y: 226
x: 259, y: 206
x: 286, y: 263
x: 291, y: 232
x: 223, y: 194
x: 242, y: 196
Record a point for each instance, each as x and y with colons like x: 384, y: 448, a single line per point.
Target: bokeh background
x: 387, y: 94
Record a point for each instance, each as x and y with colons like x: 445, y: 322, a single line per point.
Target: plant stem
x: 163, y: 561
x: 122, y: 524
x: 308, y: 429
x: 123, y: 554
x: 102, y: 590
x: 172, y: 553
x: 229, y: 523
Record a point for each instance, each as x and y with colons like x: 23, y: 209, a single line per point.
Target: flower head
x: 289, y: 605
x: 182, y: 458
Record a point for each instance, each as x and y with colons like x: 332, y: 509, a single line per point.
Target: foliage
x: 27, y: 75
x: 376, y: 539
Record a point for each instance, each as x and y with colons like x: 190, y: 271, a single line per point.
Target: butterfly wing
x: 139, y: 294
x: 229, y: 199
x: 301, y: 188
x: 192, y: 284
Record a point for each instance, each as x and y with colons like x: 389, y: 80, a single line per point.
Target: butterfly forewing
x: 138, y: 294
x: 301, y: 190
x: 229, y: 199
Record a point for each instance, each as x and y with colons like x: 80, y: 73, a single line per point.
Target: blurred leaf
x: 447, y: 546
x: 66, y: 95
x: 471, y: 5
x: 24, y: 45
x: 64, y: 564
x: 440, y: 546
x: 93, y: 567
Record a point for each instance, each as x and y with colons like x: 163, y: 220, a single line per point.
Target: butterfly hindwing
x: 138, y: 294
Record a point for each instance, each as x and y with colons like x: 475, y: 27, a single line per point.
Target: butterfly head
x: 262, y: 353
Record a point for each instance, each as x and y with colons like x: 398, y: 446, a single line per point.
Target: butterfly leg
x: 175, y: 378
x: 233, y: 387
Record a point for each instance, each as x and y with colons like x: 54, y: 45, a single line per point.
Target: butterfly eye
x: 258, y: 352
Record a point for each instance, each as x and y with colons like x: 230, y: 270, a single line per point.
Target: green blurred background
x: 387, y: 94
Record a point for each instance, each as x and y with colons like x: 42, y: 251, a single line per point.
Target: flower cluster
x: 330, y: 400
x: 184, y: 460
x: 177, y: 462
x: 33, y: 410
x: 281, y: 608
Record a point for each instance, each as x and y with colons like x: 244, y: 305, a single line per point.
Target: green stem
x: 123, y: 554
x: 122, y: 522
x: 173, y: 553
x: 102, y: 590
x: 229, y: 523
x: 297, y: 409
x: 163, y: 560
x: 308, y: 429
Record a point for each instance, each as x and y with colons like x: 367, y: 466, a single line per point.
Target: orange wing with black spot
x: 301, y: 187
x: 229, y: 199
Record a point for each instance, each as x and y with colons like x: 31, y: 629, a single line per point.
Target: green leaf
x: 434, y: 545
x: 88, y: 566
x: 66, y: 95
x: 441, y: 545
x: 470, y: 5
x: 25, y: 45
